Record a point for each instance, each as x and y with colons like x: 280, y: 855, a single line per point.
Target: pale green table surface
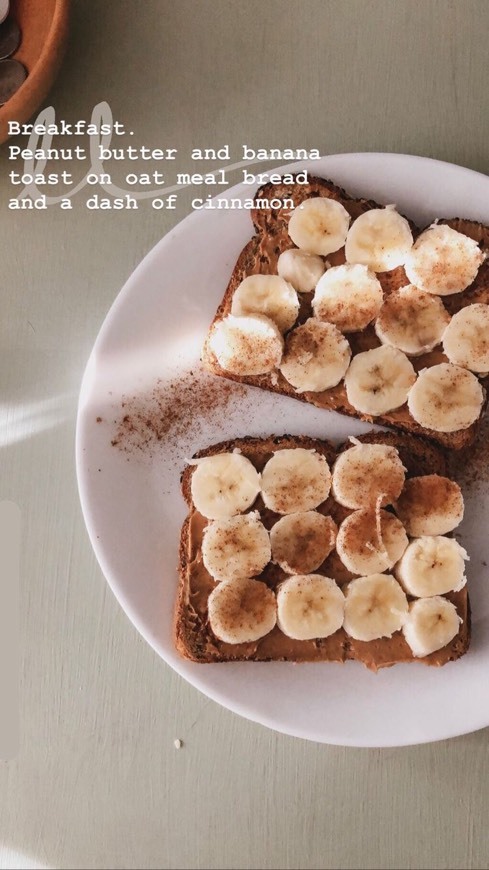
x: 97, y: 782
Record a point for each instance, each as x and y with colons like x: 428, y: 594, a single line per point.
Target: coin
x: 9, y: 37
x: 12, y: 75
x: 4, y: 9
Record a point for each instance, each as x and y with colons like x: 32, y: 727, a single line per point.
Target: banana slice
x: 360, y: 546
x: 366, y: 471
x: 430, y: 625
x: 446, y: 398
x: 251, y: 345
x: 302, y: 541
x: 430, y: 505
x: 443, y: 261
x: 300, y: 269
x: 349, y: 296
x: 316, y: 356
x: 466, y: 339
x: 375, y: 606
x: 295, y: 480
x: 224, y: 485
x: 412, y: 320
x: 309, y: 606
x: 236, y: 547
x: 241, y: 611
x: 319, y: 225
x: 432, y: 565
x: 379, y: 380
x: 380, y: 239
x: 269, y: 295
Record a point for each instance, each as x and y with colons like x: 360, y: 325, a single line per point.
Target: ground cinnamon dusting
x: 173, y: 411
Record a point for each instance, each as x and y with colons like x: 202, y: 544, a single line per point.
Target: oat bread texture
x: 194, y: 638
x: 260, y: 256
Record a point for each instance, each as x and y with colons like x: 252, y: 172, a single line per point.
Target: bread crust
x: 260, y: 255
x: 193, y: 636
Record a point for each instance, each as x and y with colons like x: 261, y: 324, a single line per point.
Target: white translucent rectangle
x: 10, y: 527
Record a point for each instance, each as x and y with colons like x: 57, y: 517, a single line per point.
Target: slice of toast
x: 194, y: 638
x: 260, y: 256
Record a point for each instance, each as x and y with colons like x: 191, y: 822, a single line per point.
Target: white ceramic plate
x: 131, y: 498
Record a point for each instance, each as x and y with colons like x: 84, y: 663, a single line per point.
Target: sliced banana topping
x: 376, y: 606
x: 295, y: 480
x: 241, y: 611
x: 302, y: 541
x: 446, y: 398
x: 236, y: 547
x: 412, y: 320
x: 349, y: 296
x: 316, y: 356
x: 319, y: 225
x: 366, y: 471
x: 430, y: 505
x: 224, y: 485
x: 369, y: 542
x: 250, y: 345
x: 380, y: 239
x: 430, y: 625
x: 300, y: 269
x: 269, y: 295
x: 443, y: 261
x: 379, y: 380
x: 466, y: 339
x: 432, y: 565
x: 309, y: 606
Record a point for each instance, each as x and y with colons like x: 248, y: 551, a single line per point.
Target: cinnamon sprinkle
x: 174, y: 412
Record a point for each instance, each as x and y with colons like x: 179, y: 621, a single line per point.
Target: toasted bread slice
x: 194, y: 638
x: 260, y: 256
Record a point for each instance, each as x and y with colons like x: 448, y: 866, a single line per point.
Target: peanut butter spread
x: 261, y: 256
x: 202, y: 645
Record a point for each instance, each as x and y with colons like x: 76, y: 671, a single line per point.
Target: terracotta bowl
x: 44, y: 26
